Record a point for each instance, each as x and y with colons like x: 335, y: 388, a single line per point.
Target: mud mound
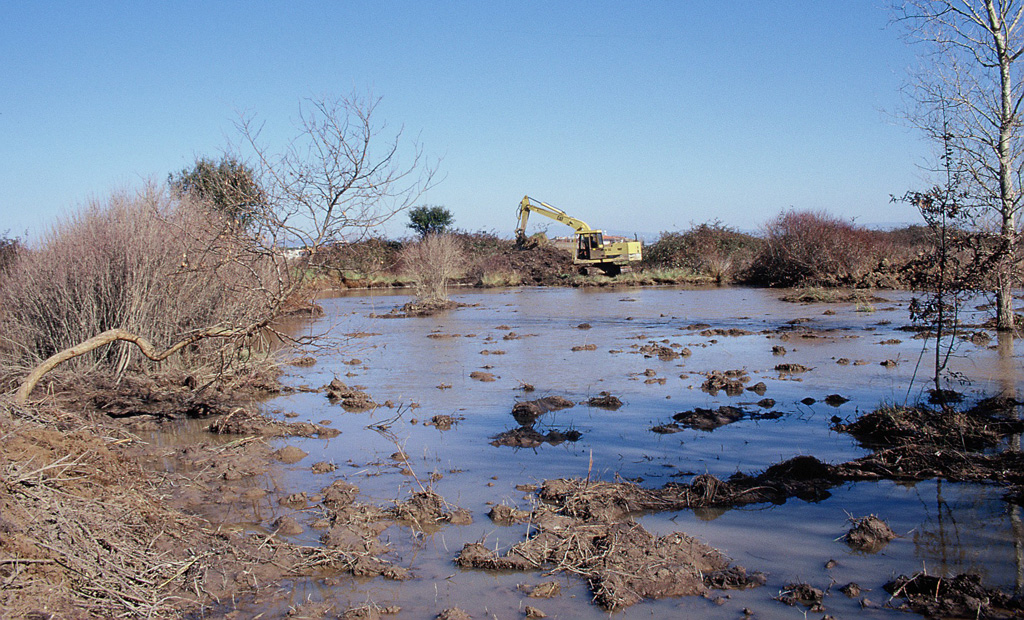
x: 622, y: 562
x: 731, y: 381
x: 804, y: 477
x: 962, y: 596
x: 791, y: 369
x: 869, y: 534
x: 802, y: 594
x: 605, y: 401
x: 708, y: 419
x: 527, y: 437
x: 731, y: 332
x: 526, y: 412
x: 665, y: 354
x: 427, y: 510
x: 245, y: 422
x: 351, y: 398
x: 507, y: 515
x: 540, y: 264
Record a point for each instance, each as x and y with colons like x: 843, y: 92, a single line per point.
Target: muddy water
x: 424, y: 365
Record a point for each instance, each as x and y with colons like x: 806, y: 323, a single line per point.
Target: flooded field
x: 654, y: 350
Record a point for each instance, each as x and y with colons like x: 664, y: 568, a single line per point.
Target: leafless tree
x: 339, y: 177
x: 968, y: 95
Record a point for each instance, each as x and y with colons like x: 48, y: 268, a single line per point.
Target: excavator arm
x: 528, y: 205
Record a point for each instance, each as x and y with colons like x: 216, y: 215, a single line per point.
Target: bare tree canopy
x: 340, y: 175
x: 967, y: 98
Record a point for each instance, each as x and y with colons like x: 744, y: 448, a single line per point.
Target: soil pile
x: 528, y: 437
x: 962, y: 596
x: 622, y: 562
x: 528, y: 411
x: 351, y: 398
x: 869, y: 534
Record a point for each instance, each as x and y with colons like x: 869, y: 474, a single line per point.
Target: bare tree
x: 339, y: 177
x: 968, y: 96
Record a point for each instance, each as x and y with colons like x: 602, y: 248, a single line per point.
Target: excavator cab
x: 590, y: 246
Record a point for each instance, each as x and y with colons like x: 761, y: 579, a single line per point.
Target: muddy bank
x: 83, y: 534
x: 95, y: 522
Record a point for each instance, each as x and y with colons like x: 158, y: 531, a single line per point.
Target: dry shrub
x: 710, y: 249
x: 10, y: 247
x: 812, y: 248
x: 433, y: 262
x: 144, y: 262
x: 367, y: 257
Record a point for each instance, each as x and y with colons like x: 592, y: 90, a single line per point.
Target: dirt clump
x: 802, y: 594
x: 835, y: 400
x: 323, y: 467
x: 961, y: 596
x: 790, y: 369
x: 663, y: 353
x: 622, y: 562
x: 732, y: 332
x: 731, y: 381
x: 869, y: 534
x: 351, y: 398
x: 708, y: 419
x: 482, y: 376
x: 290, y: 455
x: 453, y: 613
x: 528, y: 411
x: 667, y: 429
x: 427, y: 510
x: 975, y: 429
x: 442, y: 422
x: 585, y: 347
x: 506, y: 515
x: 242, y: 421
x: 547, y: 589
x: 528, y: 437
x: 758, y: 388
x: 605, y: 400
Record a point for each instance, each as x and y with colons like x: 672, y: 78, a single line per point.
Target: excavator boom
x: 591, y: 249
x: 527, y: 205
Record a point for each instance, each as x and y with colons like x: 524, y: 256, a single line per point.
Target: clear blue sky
x: 635, y: 116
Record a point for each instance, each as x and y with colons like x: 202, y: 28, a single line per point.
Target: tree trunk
x: 107, y: 337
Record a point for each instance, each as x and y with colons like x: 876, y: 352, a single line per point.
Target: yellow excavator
x: 591, y: 249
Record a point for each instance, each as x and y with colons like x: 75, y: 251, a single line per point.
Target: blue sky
x: 635, y: 116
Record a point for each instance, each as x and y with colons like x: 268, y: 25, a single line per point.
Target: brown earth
x: 622, y: 562
x: 95, y: 523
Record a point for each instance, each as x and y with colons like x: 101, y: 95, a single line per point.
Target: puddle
x: 423, y: 367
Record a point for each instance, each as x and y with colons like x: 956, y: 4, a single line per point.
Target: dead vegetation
x: 82, y: 535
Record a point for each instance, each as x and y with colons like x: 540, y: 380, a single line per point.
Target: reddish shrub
x: 812, y: 248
